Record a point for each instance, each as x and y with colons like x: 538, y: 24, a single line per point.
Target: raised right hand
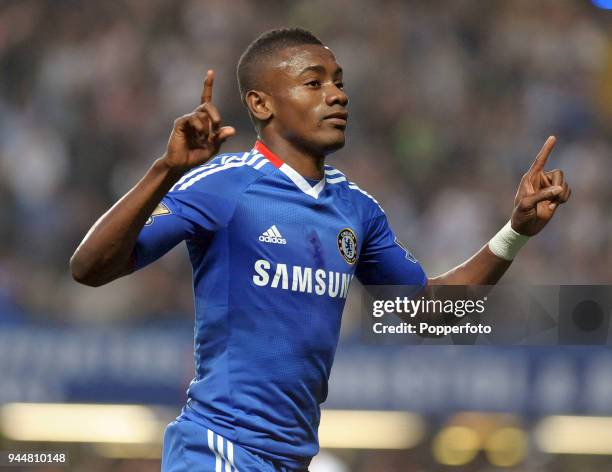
x: 539, y: 195
x: 197, y: 136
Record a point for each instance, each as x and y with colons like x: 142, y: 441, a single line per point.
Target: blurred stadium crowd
x: 450, y: 102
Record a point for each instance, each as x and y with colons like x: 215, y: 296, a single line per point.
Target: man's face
x: 307, y: 98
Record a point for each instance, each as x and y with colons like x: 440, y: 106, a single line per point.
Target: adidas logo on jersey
x: 272, y: 235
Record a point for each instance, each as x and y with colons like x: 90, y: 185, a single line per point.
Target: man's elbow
x: 97, y: 273
x: 79, y: 271
x: 84, y: 272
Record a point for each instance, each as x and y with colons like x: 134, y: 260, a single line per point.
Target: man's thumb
x: 226, y: 132
x: 545, y: 194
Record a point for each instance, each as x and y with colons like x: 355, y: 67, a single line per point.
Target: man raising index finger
x: 275, y: 237
x: 207, y: 89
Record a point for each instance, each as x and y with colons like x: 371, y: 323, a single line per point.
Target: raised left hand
x: 539, y: 194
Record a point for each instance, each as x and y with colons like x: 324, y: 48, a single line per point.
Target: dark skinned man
x: 275, y: 237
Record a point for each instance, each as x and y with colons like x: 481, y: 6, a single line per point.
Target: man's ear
x: 259, y: 104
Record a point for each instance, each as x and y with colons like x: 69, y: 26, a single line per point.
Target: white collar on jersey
x: 301, y: 182
x: 313, y: 190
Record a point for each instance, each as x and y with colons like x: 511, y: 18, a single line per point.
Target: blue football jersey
x: 273, y: 256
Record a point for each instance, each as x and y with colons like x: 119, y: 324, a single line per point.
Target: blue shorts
x: 191, y: 447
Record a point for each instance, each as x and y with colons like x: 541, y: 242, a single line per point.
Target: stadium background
x: 450, y: 101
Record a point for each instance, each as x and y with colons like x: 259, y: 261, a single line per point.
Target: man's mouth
x: 338, y: 118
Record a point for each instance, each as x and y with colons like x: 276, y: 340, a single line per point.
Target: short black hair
x: 263, y: 47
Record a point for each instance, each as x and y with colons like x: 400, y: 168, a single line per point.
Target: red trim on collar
x: 273, y: 158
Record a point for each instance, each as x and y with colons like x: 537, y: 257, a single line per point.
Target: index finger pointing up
x: 208, y: 85
x: 541, y: 158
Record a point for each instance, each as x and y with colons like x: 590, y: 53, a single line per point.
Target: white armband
x: 507, y: 243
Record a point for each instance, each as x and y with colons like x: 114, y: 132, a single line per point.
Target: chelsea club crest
x: 347, y: 245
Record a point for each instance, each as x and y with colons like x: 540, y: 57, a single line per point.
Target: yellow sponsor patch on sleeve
x: 161, y: 209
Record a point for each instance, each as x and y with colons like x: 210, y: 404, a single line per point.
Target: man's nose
x: 336, y: 96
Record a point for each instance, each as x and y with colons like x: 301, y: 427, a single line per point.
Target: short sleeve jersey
x: 273, y: 256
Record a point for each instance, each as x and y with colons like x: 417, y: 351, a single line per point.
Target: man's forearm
x: 106, y: 251
x: 483, y: 268
x: 539, y: 195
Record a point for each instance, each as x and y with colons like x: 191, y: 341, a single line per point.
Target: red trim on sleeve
x: 273, y: 158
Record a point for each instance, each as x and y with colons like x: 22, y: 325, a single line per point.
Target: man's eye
x: 313, y: 83
x: 340, y: 85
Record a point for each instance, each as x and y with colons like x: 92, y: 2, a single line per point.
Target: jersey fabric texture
x: 189, y: 447
x: 273, y: 256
